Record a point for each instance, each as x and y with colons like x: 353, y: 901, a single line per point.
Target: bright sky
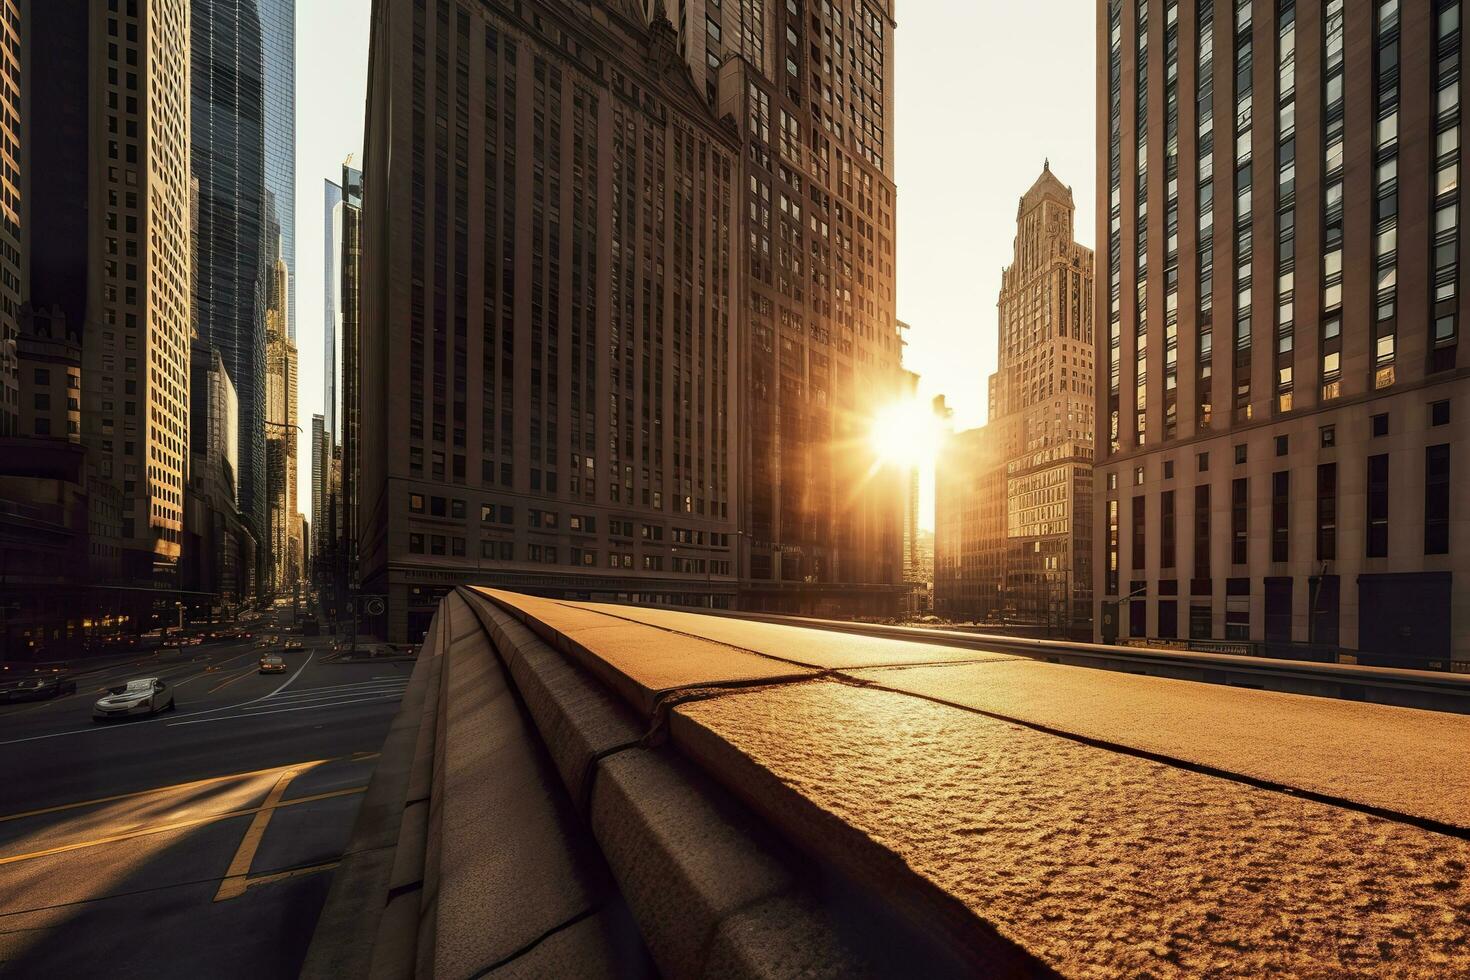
x: 986, y: 89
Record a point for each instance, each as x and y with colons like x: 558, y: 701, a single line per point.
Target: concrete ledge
x: 348, y: 931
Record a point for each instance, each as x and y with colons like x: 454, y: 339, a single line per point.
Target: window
x: 456, y: 547
x: 1377, y: 538
x: 1240, y: 453
x: 1112, y: 569
x: 1138, y: 532
x: 456, y: 508
x: 1200, y: 616
x: 1138, y: 476
x: 1203, y: 460
x: 1437, y: 500
x: 1327, y: 512
x: 1113, y: 481
x: 1168, y: 469
x: 1328, y: 436
x: 1239, y: 520
x: 1202, y: 532
x: 1280, y: 514
x: 1439, y: 413
x: 436, y: 544
x: 1380, y: 425
x: 416, y: 503
x: 1166, y: 529
x: 436, y: 506
x: 1282, y: 444
x: 416, y: 544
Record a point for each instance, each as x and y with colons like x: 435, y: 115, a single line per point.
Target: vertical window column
x: 1244, y: 215
x: 1385, y: 210
x: 1205, y: 165
x: 1285, y: 200
x: 1330, y: 340
x: 1444, y: 244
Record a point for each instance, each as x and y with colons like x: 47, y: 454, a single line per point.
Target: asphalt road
x: 198, y: 842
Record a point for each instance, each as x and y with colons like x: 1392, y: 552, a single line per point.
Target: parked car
x: 38, y: 688
x: 272, y: 663
x: 142, y: 696
x: 294, y: 644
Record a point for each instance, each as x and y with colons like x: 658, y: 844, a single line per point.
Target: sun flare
x: 907, y: 433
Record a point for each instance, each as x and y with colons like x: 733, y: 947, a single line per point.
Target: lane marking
x: 336, y: 687
x: 304, y: 696
x: 266, y: 879
x: 150, y: 721
x: 280, y: 711
x: 226, y: 683
x: 232, y: 885
x: 194, y: 784
x: 176, y: 825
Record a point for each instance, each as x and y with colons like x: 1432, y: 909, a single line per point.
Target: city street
x: 196, y: 842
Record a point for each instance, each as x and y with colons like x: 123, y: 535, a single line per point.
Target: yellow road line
x: 180, y: 787
x: 266, y: 879
x: 177, y: 825
x: 233, y: 883
x: 240, y: 676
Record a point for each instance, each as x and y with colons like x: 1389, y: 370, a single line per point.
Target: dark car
x: 38, y: 688
x: 272, y: 663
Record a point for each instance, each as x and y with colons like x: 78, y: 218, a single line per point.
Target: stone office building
x: 1014, y: 504
x: 548, y: 324
x: 812, y: 88
x: 1283, y: 404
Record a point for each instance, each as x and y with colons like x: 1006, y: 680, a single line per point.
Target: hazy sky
x: 986, y: 89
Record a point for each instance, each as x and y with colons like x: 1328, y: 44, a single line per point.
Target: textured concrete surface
x: 509, y: 867
x: 683, y: 862
x: 1401, y: 759
x: 576, y: 718
x: 817, y: 648
x: 1102, y: 864
x: 640, y: 664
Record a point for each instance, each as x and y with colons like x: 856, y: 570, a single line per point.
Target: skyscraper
x: 228, y: 154
x: 321, y: 464
x: 1282, y: 294
x: 331, y: 299
x: 1034, y: 565
x: 13, y: 75
x: 549, y: 329
x: 110, y: 182
x: 811, y: 86
x: 278, y: 44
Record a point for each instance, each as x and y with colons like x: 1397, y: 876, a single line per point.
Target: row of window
x: 440, y: 544
x: 504, y: 514
x: 1436, y: 524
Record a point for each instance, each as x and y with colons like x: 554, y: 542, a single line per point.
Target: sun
x: 907, y: 433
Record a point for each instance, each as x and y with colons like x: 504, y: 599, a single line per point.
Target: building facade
x: 1033, y: 565
x: 331, y: 299
x: 548, y: 323
x: 228, y: 154
x: 278, y: 55
x: 280, y: 438
x: 219, y: 554
x: 812, y: 89
x: 1283, y: 178
x: 13, y: 79
x: 109, y: 180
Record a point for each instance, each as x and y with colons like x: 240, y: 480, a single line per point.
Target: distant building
x: 109, y: 182
x: 284, y: 546
x: 50, y: 351
x: 1284, y: 405
x: 1035, y: 565
x: 220, y: 542
x: 228, y: 157
x: 321, y: 461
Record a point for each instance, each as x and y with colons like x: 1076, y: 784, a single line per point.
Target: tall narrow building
x: 1034, y: 564
x: 331, y: 315
x: 13, y: 76
x: 227, y: 157
x: 109, y: 181
x: 549, y: 321
x: 812, y: 89
x: 1282, y: 399
x: 278, y: 55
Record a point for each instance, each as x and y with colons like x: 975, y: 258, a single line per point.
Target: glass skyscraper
x: 228, y: 160
x: 331, y: 292
x: 278, y: 28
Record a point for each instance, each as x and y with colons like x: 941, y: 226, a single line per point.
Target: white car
x: 143, y: 696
